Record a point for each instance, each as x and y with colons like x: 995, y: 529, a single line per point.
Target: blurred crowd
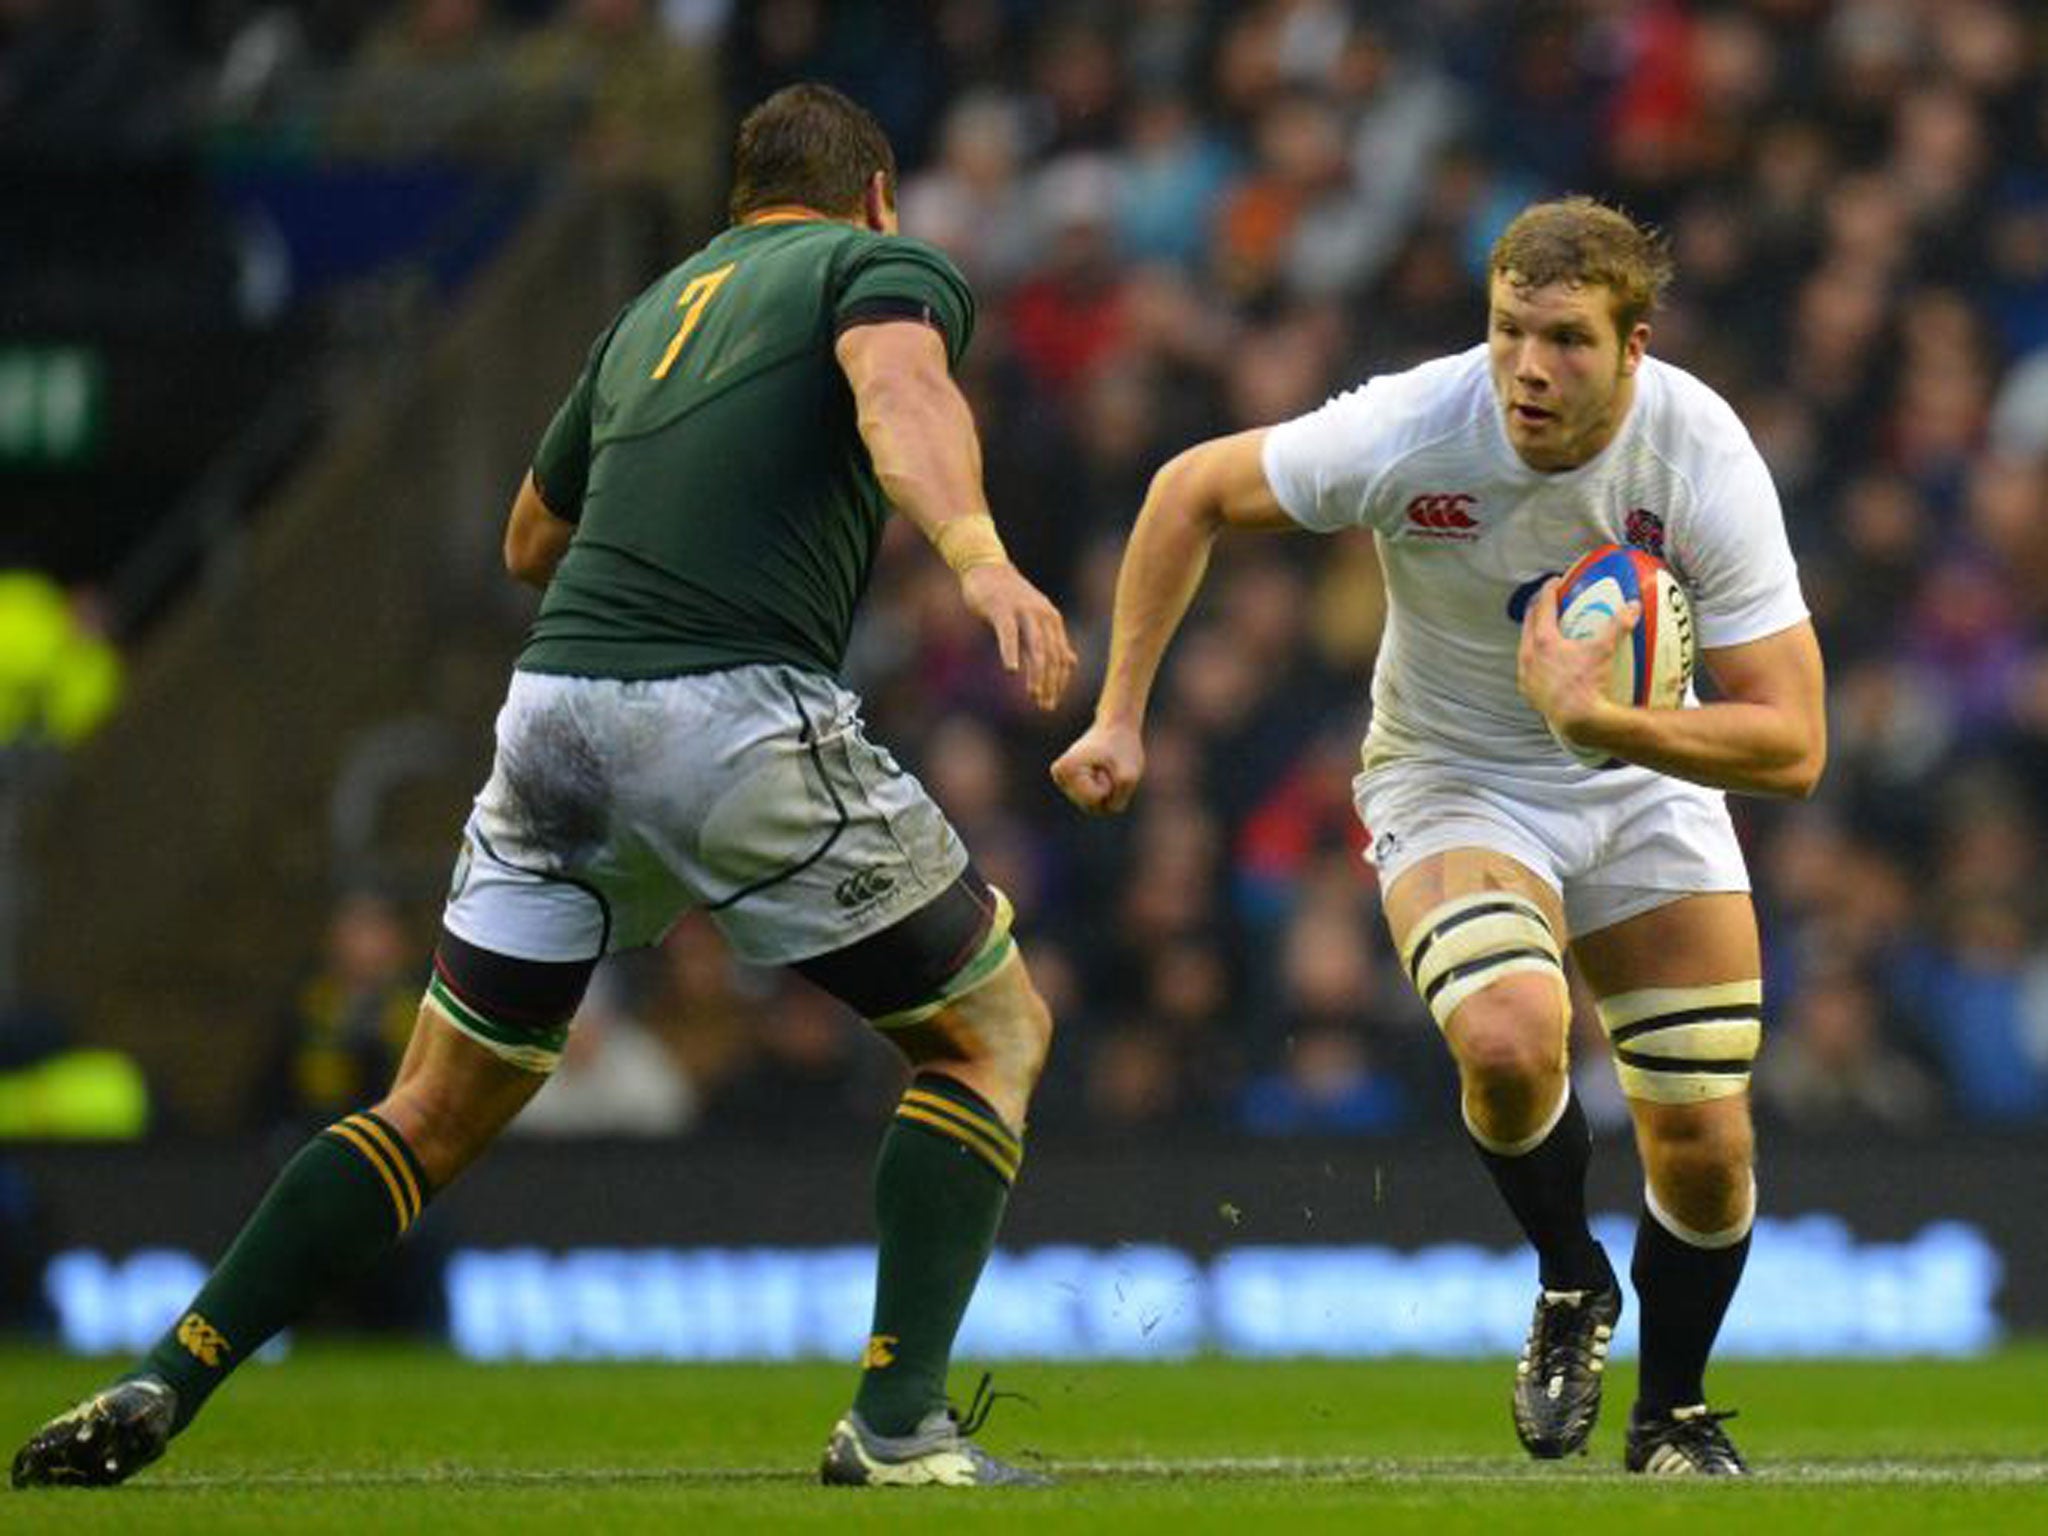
x: 1185, y: 218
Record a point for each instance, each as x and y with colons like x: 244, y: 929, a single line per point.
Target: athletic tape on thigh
x: 994, y: 951
x: 1471, y: 942
x: 539, y: 1052
x: 1682, y: 1045
x: 518, y: 1010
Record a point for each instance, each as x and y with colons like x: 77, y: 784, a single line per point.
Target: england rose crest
x: 1644, y: 530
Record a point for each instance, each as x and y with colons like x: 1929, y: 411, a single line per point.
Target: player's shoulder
x: 1688, y: 421
x: 1451, y: 388
x: 869, y: 248
x: 1416, y: 404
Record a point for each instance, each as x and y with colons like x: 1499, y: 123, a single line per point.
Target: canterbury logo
x: 202, y: 1340
x: 860, y: 888
x: 880, y: 1353
x: 1443, y: 515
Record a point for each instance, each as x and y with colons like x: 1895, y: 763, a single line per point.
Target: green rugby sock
x: 941, y: 1183
x: 338, y: 1205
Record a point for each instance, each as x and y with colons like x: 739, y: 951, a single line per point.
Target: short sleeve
x: 1324, y: 468
x: 561, y: 465
x: 898, y: 278
x: 1736, y: 560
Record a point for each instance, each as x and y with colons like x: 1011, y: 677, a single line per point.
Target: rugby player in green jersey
x: 704, y: 512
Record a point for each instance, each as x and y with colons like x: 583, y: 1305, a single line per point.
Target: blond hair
x: 1577, y: 240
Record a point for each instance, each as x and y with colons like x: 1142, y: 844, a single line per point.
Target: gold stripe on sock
x: 356, y: 1139
x: 386, y: 1138
x: 980, y: 1146
x: 992, y: 1128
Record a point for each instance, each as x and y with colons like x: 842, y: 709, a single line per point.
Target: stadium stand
x: 1181, y: 217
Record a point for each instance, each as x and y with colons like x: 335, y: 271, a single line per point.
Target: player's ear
x: 1633, y: 346
x: 878, y: 204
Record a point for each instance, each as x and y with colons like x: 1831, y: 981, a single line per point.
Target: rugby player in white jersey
x: 1482, y: 475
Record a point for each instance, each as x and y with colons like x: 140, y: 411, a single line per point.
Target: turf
x: 358, y: 1439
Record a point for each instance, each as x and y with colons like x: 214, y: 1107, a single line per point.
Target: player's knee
x: 1013, y: 1029
x: 1685, y: 1045
x: 1509, y: 1035
x: 1703, y: 1191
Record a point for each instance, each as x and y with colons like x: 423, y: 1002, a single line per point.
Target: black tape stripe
x: 1457, y: 919
x: 1678, y: 1064
x: 1733, y: 1014
x: 1483, y: 963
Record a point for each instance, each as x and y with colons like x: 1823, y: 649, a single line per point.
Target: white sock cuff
x: 1727, y: 1238
x: 1528, y: 1143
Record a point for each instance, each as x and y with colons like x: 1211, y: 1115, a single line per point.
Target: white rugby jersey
x: 1466, y: 530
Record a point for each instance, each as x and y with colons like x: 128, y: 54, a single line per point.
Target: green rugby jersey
x: 727, y: 511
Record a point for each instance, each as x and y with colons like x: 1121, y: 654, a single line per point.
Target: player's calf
x: 947, y: 985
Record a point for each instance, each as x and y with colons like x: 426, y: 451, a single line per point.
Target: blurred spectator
x: 811, y: 1069
x: 970, y: 201
x: 1327, y: 1086
x: 1183, y: 218
x: 1335, y: 1072
x: 1974, y: 994
x: 430, y: 80
x: 616, y: 1078
x: 1829, y: 1064
x: 1068, y: 314
x: 1135, y: 1081
x: 640, y: 106
x: 346, y: 1028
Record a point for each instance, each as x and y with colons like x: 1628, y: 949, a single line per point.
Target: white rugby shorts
x: 615, y: 806
x: 1617, y: 845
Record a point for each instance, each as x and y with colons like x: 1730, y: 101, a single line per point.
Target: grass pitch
x: 375, y: 1438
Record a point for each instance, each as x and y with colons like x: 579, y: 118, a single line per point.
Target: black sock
x: 1546, y: 1189
x: 1684, y: 1293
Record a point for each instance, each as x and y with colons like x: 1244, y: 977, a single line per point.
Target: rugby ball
x: 1653, y: 664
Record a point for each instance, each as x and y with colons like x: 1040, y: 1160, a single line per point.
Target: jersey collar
x: 784, y: 213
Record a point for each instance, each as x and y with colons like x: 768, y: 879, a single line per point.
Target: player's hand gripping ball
x: 1653, y: 664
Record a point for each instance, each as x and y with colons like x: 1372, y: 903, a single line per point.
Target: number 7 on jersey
x: 696, y: 294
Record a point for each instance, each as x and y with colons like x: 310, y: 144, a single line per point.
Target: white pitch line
x: 1958, y: 1472
x: 1381, y: 1469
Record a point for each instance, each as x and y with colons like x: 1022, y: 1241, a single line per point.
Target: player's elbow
x: 1805, y: 779
x: 1799, y: 776
x: 522, y: 561
x: 1183, y: 490
x: 531, y: 555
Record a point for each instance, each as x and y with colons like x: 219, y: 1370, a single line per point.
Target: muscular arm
x: 535, y: 539
x: 921, y: 440
x: 1215, y: 485
x: 1212, y: 486
x: 916, y: 424
x: 1765, y: 735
